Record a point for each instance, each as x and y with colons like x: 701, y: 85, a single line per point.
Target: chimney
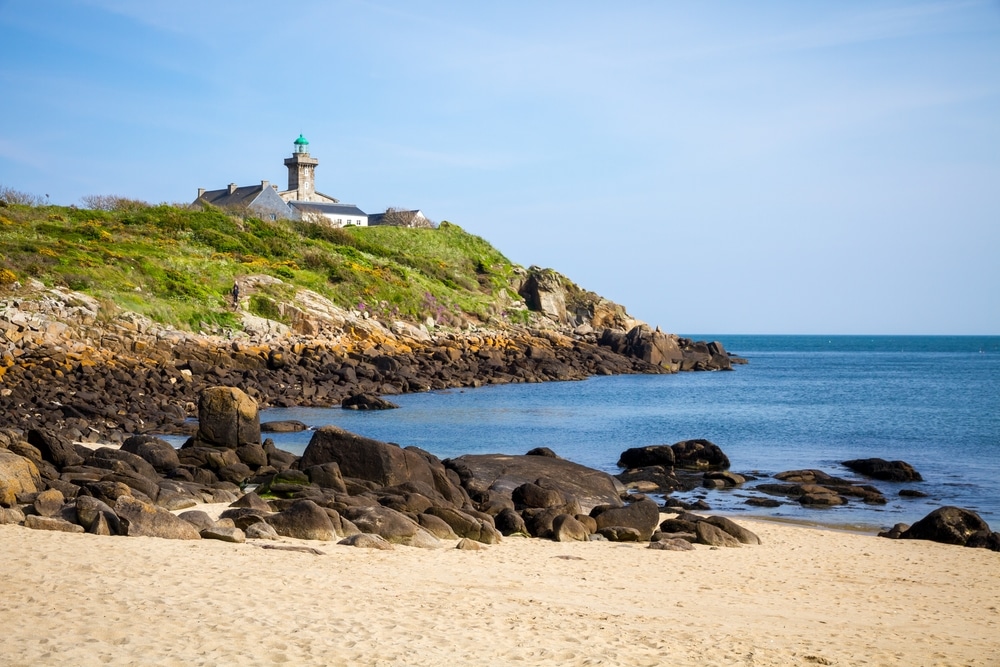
x: 264, y: 185
x: 232, y: 188
x: 201, y: 192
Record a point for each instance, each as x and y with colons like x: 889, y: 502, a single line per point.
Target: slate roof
x: 242, y: 196
x: 405, y: 217
x: 327, y: 209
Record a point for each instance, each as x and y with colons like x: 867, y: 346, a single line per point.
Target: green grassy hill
x: 177, y: 266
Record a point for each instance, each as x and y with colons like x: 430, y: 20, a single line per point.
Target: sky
x: 775, y: 167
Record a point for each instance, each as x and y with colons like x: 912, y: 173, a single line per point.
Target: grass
x: 177, y: 265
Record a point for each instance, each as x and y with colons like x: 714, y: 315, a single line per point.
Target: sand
x: 804, y: 597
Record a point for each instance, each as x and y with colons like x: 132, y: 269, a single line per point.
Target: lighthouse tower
x: 302, y: 173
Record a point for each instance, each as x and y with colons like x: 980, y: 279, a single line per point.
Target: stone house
x: 400, y: 218
x: 300, y: 201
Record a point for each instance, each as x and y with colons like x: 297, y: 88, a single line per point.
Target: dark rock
x: 644, y: 457
x: 283, y: 426
x: 227, y: 417
x: 160, y: 454
x: 436, y: 526
x: 984, y: 539
x: 542, y: 451
x: 90, y: 512
x: 911, y: 493
x: 714, y: 536
x: 762, y: 502
x: 253, y: 501
x: 143, y: 519
x: 252, y: 455
x: 327, y: 476
x: 950, y: 525
x: 509, y: 522
x: 364, y: 458
x: 743, y: 535
x: 260, y: 531
x: 197, y: 518
x: 641, y: 516
x: 465, y: 525
x: 896, y: 531
x: 728, y: 479
x: 672, y: 544
x: 389, y: 524
x: 244, y: 517
x: 531, y: 494
x: 486, y: 475
x: 304, y: 520
x: 54, y: 448
x: 566, y: 528
x: 620, y: 534
x: 699, y: 454
x: 367, y: 402
x: 890, y: 471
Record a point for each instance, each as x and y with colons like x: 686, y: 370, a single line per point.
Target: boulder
x: 17, y: 475
x: 532, y: 494
x: 49, y: 502
x: 367, y: 402
x: 641, y: 516
x: 436, y: 526
x: 743, y: 535
x: 644, y: 457
x: 260, y: 531
x: 950, y: 525
x: 144, y: 519
x: 327, y: 476
x: 699, y: 454
x: 890, y: 471
x: 11, y: 515
x: 198, y: 518
x: 92, y: 513
x: 224, y: 534
x: 54, y: 448
x: 107, y: 457
x: 304, y: 520
x: 387, y: 523
x: 509, y: 522
x: 620, y: 534
x: 227, y: 417
x: 158, y: 453
x: 485, y: 475
x: 672, y: 544
x: 466, y: 525
x: 283, y: 426
x: 367, y: 541
x: 566, y: 528
x: 714, y: 536
x: 36, y: 522
x: 363, y: 458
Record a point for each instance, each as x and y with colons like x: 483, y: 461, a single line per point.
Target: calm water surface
x: 801, y: 402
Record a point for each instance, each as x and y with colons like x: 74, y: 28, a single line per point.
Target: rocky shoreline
x: 66, y: 364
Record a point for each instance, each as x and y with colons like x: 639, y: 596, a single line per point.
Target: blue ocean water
x: 801, y: 402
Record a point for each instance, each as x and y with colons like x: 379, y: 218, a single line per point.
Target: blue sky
x: 717, y: 167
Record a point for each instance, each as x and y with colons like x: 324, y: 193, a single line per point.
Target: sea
x: 801, y: 402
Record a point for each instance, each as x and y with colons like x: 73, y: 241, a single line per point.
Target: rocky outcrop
x: 491, y: 477
x: 818, y: 489
x: 890, y: 471
x: 953, y: 525
x: 17, y: 475
x: 668, y: 351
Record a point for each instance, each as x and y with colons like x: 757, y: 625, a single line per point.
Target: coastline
x: 805, y: 596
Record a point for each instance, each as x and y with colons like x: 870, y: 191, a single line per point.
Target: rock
x: 54, y: 448
x: 11, y: 515
x: 728, y: 479
x: 49, y: 503
x: 364, y: 458
x: 465, y: 525
x: 224, y: 534
x: 158, y: 453
x: 509, y: 522
x: 132, y: 464
x: 950, y: 525
x: 244, y: 517
x: 531, y: 494
x: 327, y: 476
x: 142, y: 519
x: 911, y: 493
x: 304, y: 520
x: 542, y: 451
x: 387, y: 523
x: 644, y: 457
x: 743, y: 535
x: 91, y: 513
x: 699, y: 454
x: 17, y: 475
x: 642, y: 516
x: 486, y: 475
x: 654, y: 479
x: 283, y: 426
x: 620, y: 534
x: 465, y: 544
x: 566, y: 528
x: 198, y: 518
x: 252, y: 501
x: 36, y: 522
x: 367, y: 402
x: 260, y: 531
x: 227, y: 417
x: 367, y: 541
x: 895, y: 532
x: 714, y: 536
x: 672, y: 544
x: 436, y: 526
x: 890, y: 471
x: 762, y: 502
x: 252, y: 455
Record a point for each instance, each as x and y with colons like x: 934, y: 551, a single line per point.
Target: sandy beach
x: 804, y: 597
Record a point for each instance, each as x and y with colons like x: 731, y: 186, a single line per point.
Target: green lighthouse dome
x: 301, y: 145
